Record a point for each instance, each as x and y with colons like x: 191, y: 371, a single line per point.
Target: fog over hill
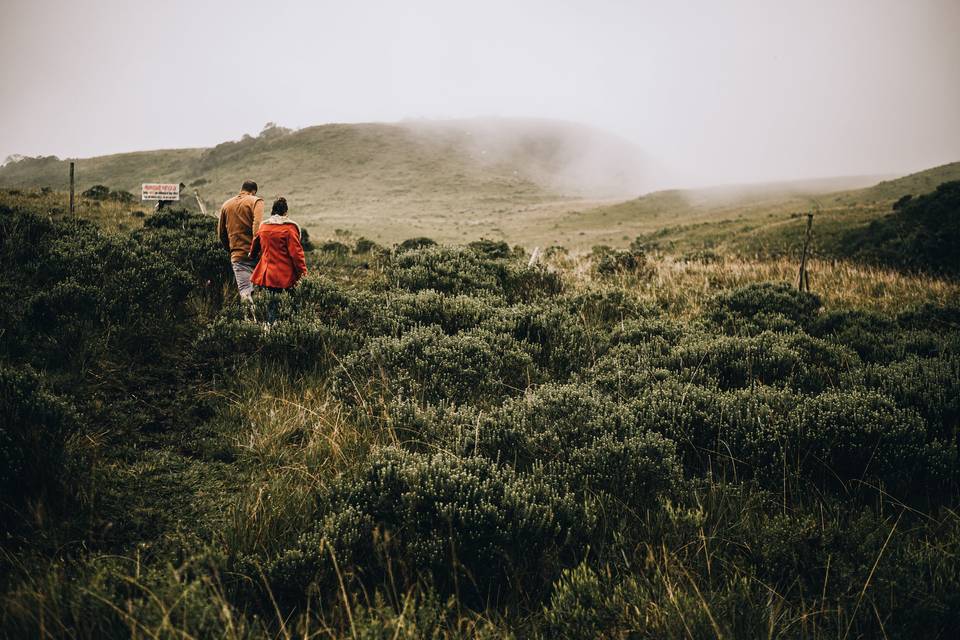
x: 417, y: 156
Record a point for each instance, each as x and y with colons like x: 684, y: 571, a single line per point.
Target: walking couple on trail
x: 267, y: 254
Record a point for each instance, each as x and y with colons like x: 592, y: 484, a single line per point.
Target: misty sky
x: 715, y: 92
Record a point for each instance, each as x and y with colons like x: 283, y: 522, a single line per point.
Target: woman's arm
x: 295, y: 249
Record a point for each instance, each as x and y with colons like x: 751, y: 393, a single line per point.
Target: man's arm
x: 222, y: 230
x: 257, y: 215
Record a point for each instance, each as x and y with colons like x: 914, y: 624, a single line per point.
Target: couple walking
x: 267, y: 253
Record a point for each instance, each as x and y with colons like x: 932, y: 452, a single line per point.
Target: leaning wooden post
x: 203, y: 208
x: 71, y: 188
x: 804, y: 278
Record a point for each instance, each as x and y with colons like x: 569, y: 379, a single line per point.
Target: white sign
x: 159, y: 191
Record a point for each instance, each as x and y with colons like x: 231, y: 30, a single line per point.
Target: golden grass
x: 682, y: 286
x: 109, y: 215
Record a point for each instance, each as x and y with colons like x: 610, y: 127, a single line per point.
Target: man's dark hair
x: 249, y: 186
x: 279, y: 207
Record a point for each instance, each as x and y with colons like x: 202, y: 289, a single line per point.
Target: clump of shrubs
x: 411, y: 244
x: 767, y: 305
x: 493, y: 249
x: 101, y: 192
x: 607, y: 261
x: 431, y: 366
x: 451, y: 270
x: 334, y: 247
x: 921, y: 234
x: 34, y: 427
x: 465, y: 524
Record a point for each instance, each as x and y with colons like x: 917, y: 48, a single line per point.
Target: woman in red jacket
x: 277, y: 244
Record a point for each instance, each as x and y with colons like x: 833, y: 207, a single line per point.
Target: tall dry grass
x: 682, y: 286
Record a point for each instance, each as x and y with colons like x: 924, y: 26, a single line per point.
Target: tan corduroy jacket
x: 240, y: 218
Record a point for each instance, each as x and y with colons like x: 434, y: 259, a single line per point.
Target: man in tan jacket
x: 240, y: 218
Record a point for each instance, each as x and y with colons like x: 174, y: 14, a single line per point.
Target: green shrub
x: 96, y: 192
x: 305, y: 240
x: 300, y: 344
x: 492, y: 249
x: 929, y: 386
x: 100, y: 192
x: 189, y: 240
x: 580, y: 440
x: 851, y: 435
x: 872, y: 335
x: 431, y: 366
x: 767, y: 305
x: 365, y: 245
x: 462, y: 271
x: 921, y: 235
x: 82, y: 295
x: 561, y: 341
x: 639, y: 332
x: 467, y: 525
x: 627, y: 370
x: 795, y: 360
x: 452, y: 313
x: 650, y: 350
x: 607, y: 261
x: 581, y: 606
x: 34, y: 427
x: 411, y: 244
x: 334, y: 247
x: 710, y: 426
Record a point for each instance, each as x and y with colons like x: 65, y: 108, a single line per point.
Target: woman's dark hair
x: 279, y: 207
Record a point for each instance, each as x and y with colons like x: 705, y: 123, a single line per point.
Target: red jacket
x: 277, y: 244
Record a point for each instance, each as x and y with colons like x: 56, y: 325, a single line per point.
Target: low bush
x: 607, y: 261
x: 757, y: 307
x: 466, y: 525
x: 563, y: 342
x: 431, y: 367
x: 462, y: 271
x: 365, y: 245
x: 334, y: 247
x: 452, y: 313
x: 492, y: 249
x: 189, y: 240
x: 580, y: 440
x: 930, y: 386
x: 411, y: 244
x: 34, y: 427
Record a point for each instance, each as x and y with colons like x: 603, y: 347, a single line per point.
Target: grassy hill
x: 528, y: 182
x: 751, y: 220
x: 455, y: 180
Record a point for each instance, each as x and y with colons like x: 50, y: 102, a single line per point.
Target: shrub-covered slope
x: 449, y: 442
x: 920, y: 233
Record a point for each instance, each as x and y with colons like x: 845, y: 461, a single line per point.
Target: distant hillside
x: 752, y: 219
x: 922, y: 234
x: 530, y: 182
x: 388, y: 181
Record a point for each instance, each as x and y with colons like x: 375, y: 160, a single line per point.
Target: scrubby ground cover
x: 438, y: 441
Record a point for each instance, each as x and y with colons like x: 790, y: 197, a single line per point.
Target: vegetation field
x: 442, y: 440
x: 535, y: 183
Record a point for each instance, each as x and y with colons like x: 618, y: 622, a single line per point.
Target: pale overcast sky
x: 716, y: 91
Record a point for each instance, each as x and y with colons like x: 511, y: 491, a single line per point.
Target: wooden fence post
x: 804, y: 277
x: 71, y: 188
